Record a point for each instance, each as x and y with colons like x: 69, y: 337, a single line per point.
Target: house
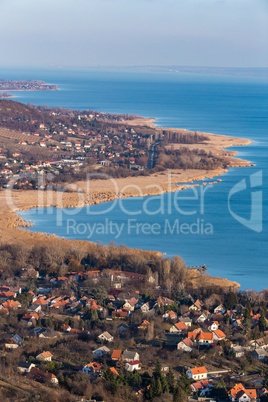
x: 129, y: 355
x: 260, y: 354
x: 178, y: 328
x: 144, y: 325
x: 92, y: 368
x: 45, y: 356
x: 130, y: 304
x: 116, y: 355
x: 11, y: 345
x: 106, y: 337
x: 241, y: 394
x: 164, y: 301
x: 202, y: 318
x: 17, y: 339
x: 218, y: 335
x: 147, y: 307
x: 132, y: 365
x: 29, y: 318
x: 35, y: 308
x: 25, y: 367
x: 197, y: 373
x: 260, y: 343
x: 238, y: 350
x: 101, y: 352
x: 197, y: 306
x: 48, y: 333
x: 11, y: 304
x: 170, y: 315
x: 187, y: 321
x: 247, y: 395
x: 203, y: 388
x: 42, y: 376
x: 212, y: 325
x: 120, y: 313
x: 204, y: 338
x: 185, y: 345
x: 219, y: 309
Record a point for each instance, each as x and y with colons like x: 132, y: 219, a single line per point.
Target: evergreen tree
x: 230, y: 300
x: 184, y: 383
x: 157, y: 373
x: 178, y: 395
x: 219, y: 390
x: 262, y: 322
x: 170, y: 380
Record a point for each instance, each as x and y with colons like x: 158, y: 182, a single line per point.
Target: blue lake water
x: 233, y: 241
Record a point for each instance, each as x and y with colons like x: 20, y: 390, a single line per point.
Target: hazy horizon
x: 121, y: 33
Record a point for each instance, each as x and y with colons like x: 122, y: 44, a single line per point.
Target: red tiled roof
x: 116, y: 354
x: 199, y: 370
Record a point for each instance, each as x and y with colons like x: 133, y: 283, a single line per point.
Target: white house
x: 178, y: 328
x: 197, y: 373
x: 218, y: 335
x: 213, y: 326
x: 185, y: 345
x: 132, y: 365
x: 238, y: 350
x: 25, y: 367
x: 205, y: 338
x: 45, y: 356
x: 129, y: 355
x: 105, y: 336
x: 240, y: 394
x: 187, y: 321
x: 202, y: 318
x: 197, y: 306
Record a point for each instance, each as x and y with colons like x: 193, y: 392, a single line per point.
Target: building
x: 45, y: 356
x: 25, y: 367
x: 197, y: 373
x: 186, y: 345
x: 105, y: 336
x: 240, y: 394
x: 101, y: 352
x: 132, y: 365
x: 130, y: 355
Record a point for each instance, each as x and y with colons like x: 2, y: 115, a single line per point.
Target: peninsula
x: 26, y: 85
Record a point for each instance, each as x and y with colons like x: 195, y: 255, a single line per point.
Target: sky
x: 73, y: 33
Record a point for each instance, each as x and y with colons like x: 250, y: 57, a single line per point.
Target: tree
x: 262, y: 322
x: 170, y: 380
x: 230, y: 300
x: 219, y: 390
x: 179, y: 395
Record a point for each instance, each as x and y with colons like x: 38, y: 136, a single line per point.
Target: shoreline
x: 12, y: 226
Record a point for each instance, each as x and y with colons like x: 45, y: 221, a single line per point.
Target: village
x: 36, y: 142
x: 99, y: 324
x: 86, y: 140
